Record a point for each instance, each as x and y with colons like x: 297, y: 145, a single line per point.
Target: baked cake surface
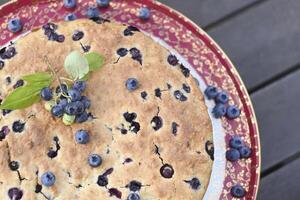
x: 139, y: 153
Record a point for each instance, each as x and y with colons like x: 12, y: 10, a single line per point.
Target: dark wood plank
x: 277, y: 109
x: 282, y: 184
x: 3, y: 1
x: 205, y: 12
x: 262, y: 41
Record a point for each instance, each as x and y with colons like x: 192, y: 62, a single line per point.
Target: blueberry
x: 15, y: 194
x: 233, y: 112
x: 167, y: 171
x: 74, y: 94
x: 79, y: 86
x: 103, y: 3
x: 236, y: 142
x: 71, y: 108
x: 18, y: 126
x: 211, y: 92
x: 70, y: 17
x: 102, y: 180
x: 172, y: 60
x: 14, y: 25
x: 156, y: 123
x: 82, y: 137
x: 219, y: 110
x: 63, y: 103
x: 194, y: 183
x: 14, y: 165
x: 132, y: 84
x: 222, y: 97
x: 136, y: 54
x: 46, y: 94
x: 233, y: 155
x: 57, y: 111
x: 237, y: 191
x: 86, y: 102
x: 64, y: 88
x: 60, y: 38
x: 122, y: 52
x: 48, y: 179
x: 92, y: 12
x: 144, y: 13
x: 134, y: 186
x: 83, y: 117
x: 1, y: 64
x: 79, y: 107
x: 94, y: 160
x: 245, y: 152
x: 179, y: 95
x: 77, y: 35
x: 133, y: 196
x: 69, y: 3
x: 9, y: 53
x: 19, y: 83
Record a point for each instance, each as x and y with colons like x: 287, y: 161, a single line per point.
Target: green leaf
x: 95, y: 60
x: 76, y: 65
x: 86, y: 77
x: 38, y: 77
x: 23, y: 97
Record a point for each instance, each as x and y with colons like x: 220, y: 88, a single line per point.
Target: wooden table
x: 262, y: 37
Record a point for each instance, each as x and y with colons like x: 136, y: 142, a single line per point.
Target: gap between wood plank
x: 275, y: 78
x: 280, y: 164
x: 233, y: 14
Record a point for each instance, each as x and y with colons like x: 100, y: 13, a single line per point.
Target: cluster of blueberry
x: 221, y: 98
x: 50, y: 32
x: 237, y: 149
x: 68, y: 103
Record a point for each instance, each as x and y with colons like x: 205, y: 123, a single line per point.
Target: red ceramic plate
x: 206, y: 58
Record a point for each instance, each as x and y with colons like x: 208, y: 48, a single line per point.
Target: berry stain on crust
x: 115, y: 192
x: 209, y: 148
x: 194, y: 183
x: 174, y: 128
x: 129, y: 31
x: 156, y: 123
x: 136, y: 54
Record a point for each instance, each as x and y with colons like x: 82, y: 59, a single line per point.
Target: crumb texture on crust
x: 178, y: 141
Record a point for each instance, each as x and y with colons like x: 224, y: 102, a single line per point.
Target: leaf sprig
x: 77, y: 66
